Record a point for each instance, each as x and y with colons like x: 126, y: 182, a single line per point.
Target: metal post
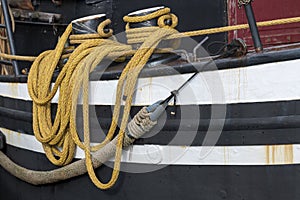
x: 9, y: 33
x: 252, y: 24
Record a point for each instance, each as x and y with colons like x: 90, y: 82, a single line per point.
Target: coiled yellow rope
x: 139, y: 35
x: 39, y: 81
x: 60, y: 138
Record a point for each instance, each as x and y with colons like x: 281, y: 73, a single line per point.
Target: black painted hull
x: 172, y: 182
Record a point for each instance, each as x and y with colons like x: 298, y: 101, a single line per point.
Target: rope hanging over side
x: 76, y: 168
x: 59, y: 138
x: 55, y: 135
x: 126, y: 86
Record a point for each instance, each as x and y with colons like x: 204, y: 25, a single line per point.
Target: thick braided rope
x: 139, y: 35
x: 15, y: 57
x: 84, y: 82
x: 57, y: 134
x: 80, y: 38
x: 74, y: 169
x: 75, y: 73
x: 235, y: 27
x: 126, y: 86
x: 85, y: 70
x: 137, y: 19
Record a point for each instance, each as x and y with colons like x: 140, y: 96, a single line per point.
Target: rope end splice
x: 138, y: 126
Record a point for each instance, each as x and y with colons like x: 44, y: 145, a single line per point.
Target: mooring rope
x: 60, y: 138
x: 78, y: 168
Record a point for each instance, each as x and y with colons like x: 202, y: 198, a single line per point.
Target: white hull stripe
x: 268, y: 82
x: 181, y: 155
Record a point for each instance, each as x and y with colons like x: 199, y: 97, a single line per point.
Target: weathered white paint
x: 268, y: 82
x: 185, y: 155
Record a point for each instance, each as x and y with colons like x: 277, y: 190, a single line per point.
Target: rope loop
x: 165, y: 19
x: 169, y: 20
x: 137, y: 19
x: 102, y: 32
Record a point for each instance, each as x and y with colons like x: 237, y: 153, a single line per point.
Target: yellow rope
x: 59, y: 138
x: 235, y: 27
x: 80, y: 38
x: 137, y: 19
x: 62, y: 133
x: 17, y: 57
x: 39, y: 81
x: 130, y: 74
